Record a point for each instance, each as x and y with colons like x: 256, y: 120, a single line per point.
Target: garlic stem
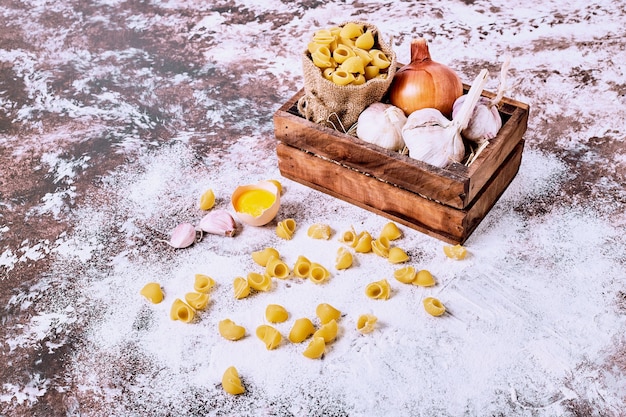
x: 473, y: 95
x: 502, y: 87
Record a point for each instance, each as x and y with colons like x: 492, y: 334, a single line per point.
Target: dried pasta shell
x: 207, y: 200
x: 319, y: 231
x: 197, y: 300
x: 363, y: 243
x: 153, y: 292
x: 349, y: 237
x: 325, y: 312
x: 353, y: 65
x: 327, y: 331
x: 203, y: 283
x: 380, y: 247
x: 405, y: 275
x: 231, y: 382
x: 260, y: 282
x: 269, y: 335
x: 181, y: 311
x: 366, y: 58
x: 322, y: 57
x: 433, y: 306
x: 379, y: 290
x: 359, y: 79
x: 323, y: 36
x: 344, y: 258
x: 371, y: 72
x: 342, y: 52
x: 230, y: 330
x: 366, y: 323
x: 318, y: 273
x: 277, y: 268
x: 365, y: 41
x: 286, y: 228
x: 302, y: 267
x: 301, y: 330
x: 316, y: 348
x: 275, y: 313
x: 263, y: 256
x: 390, y: 231
x: 379, y: 59
x: 241, y: 288
x: 328, y: 73
x: 457, y: 252
x: 397, y: 255
x: 351, y: 30
x: 424, y: 279
x: 342, y: 77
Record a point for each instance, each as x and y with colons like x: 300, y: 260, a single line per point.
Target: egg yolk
x: 255, y: 202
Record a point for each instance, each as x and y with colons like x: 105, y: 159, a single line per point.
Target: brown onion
x: 425, y: 83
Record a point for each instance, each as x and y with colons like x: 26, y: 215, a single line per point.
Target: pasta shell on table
x: 326, y: 312
x: 424, y: 278
x: 366, y: 323
x: 363, y: 242
x: 182, y: 311
x: 319, y: 231
x: 277, y: 268
x: 379, y: 290
x: 259, y: 282
x: 203, y: 283
x: 241, y: 286
x: 344, y: 258
x: 318, y: 274
x: 397, y: 255
x: 261, y: 257
x: 286, y: 228
x: 275, y: 313
x: 269, y: 335
x: 316, y: 348
x: 301, y: 330
x: 380, y: 247
x: 327, y: 331
x: 302, y: 267
x: 231, y: 382
x: 153, y: 292
x: 433, y: 306
x: 405, y: 275
x: 390, y: 231
x: 229, y: 330
x: 197, y: 300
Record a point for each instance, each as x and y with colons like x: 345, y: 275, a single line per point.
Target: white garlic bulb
x: 432, y: 138
x: 381, y: 124
x: 485, y: 121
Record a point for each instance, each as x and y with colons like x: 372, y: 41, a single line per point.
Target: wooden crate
x: 447, y: 203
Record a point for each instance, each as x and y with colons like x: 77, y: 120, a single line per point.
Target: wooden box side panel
x: 446, y: 223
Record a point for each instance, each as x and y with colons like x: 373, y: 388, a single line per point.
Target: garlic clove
x: 218, y: 222
x: 484, y: 123
x: 381, y: 124
x: 182, y: 236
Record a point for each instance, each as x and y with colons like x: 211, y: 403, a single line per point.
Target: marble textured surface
x: 115, y: 116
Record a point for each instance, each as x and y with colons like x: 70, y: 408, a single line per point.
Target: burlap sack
x: 339, y: 106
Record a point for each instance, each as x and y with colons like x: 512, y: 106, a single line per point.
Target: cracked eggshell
x: 268, y: 214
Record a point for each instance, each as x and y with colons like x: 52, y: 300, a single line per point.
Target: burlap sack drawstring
x: 324, y: 99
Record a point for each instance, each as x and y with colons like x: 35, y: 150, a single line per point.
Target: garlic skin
x: 381, y: 124
x: 218, y: 222
x: 182, y: 236
x: 428, y: 137
x: 484, y: 123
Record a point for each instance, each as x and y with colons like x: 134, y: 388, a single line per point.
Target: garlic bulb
x: 218, y: 222
x: 432, y: 138
x: 485, y: 121
x: 381, y: 124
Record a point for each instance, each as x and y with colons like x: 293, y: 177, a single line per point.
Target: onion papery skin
x: 424, y: 83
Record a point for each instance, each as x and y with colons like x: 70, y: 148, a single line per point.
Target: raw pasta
x: 424, y: 279
x: 379, y: 290
x: 397, y: 255
x: 230, y: 330
x: 286, y: 228
x: 316, y: 348
x: 231, y: 382
x: 380, y: 247
x: 319, y: 231
x: 277, y: 268
x: 318, y: 274
x: 301, y: 330
x: 344, y: 258
x: 153, y: 292
x: 269, y: 335
x: 390, y: 231
x: 433, y: 306
x: 327, y: 331
x: 181, y: 311
x: 203, y: 283
x: 457, y: 252
x: 349, y: 237
x: 275, y: 313
x: 260, y: 282
x: 325, y: 312
x: 302, y: 267
x: 263, y: 256
x: 241, y: 287
x: 363, y: 242
x: 366, y: 323
x: 197, y: 300
x: 405, y: 275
